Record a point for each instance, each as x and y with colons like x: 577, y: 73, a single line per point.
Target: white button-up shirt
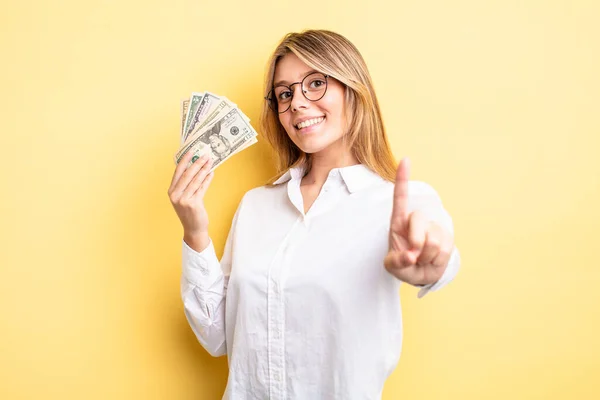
x: 301, y: 303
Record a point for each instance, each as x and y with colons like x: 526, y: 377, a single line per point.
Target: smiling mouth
x: 309, y: 122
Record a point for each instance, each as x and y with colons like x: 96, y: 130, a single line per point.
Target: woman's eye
x: 317, y: 83
x: 284, y: 95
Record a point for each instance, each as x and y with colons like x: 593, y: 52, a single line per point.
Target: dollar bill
x: 201, y: 120
x: 217, y: 112
x: 207, y: 103
x: 185, y: 104
x: 243, y: 147
x: 228, y: 135
x: 194, y: 103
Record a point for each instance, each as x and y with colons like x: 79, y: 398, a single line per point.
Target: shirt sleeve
x: 429, y: 202
x: 204, y: 283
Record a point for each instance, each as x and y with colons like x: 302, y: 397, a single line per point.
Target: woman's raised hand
x: 419, y: 248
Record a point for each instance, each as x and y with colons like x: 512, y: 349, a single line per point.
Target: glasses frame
x: 272, y: 92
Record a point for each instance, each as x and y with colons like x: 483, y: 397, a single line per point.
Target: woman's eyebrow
x: 284, y: 82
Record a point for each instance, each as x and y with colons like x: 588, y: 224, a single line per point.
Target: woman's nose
x: 298, y: 99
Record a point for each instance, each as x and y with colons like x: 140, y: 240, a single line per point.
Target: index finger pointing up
x: 400, y: 210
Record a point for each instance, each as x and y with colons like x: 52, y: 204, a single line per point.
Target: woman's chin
x: 316, y: 144
x: 312, y: 148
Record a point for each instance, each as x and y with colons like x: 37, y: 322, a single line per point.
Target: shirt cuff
x: 447, y: 277
x: 200, y: 268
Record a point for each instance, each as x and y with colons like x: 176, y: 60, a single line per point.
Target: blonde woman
x: 305, y: 300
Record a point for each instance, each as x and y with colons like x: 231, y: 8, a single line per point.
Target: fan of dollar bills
x: 213, y: 125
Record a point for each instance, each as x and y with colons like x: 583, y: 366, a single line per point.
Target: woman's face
x: 328, y: 112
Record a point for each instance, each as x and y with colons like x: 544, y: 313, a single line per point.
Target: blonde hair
x: 334, y: 55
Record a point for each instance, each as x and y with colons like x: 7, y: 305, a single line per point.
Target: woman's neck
x: 323, y: 162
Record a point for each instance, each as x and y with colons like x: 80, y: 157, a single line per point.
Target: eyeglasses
x: 313, y: 87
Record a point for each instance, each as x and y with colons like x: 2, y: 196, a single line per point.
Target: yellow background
x: 496, y: 103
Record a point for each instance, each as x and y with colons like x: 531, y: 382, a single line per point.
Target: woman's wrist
x: 197, y: 241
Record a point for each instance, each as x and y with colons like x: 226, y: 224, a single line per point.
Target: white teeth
x: 310, y: 122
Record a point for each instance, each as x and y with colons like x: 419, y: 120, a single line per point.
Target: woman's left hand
x: 419, y: 248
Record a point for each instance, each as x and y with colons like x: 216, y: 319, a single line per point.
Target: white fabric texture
x: 301, y: 303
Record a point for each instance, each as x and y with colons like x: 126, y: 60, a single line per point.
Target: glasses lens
x: 282, y: 96
x: 314, y: 86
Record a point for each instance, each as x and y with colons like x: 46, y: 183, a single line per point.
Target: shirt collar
x: 356, y: 177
